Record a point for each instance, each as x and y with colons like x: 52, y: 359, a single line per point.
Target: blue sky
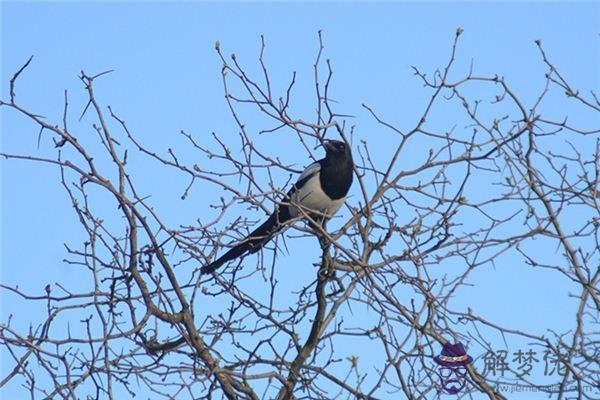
x: 167, y: 79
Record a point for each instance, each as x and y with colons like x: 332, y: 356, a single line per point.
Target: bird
x: 319, y: 192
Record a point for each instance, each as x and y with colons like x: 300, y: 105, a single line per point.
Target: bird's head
x: 335, y: 147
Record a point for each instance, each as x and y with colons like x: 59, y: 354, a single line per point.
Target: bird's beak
x: 328, y: 145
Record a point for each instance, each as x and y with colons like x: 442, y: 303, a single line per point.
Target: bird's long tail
x: 252, y: 243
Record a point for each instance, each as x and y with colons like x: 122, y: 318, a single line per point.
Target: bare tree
x: 153, y: 323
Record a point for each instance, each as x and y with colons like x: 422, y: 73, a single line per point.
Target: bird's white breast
x: 311, y: 198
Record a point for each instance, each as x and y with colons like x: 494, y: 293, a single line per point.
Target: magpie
x: 319, y: 192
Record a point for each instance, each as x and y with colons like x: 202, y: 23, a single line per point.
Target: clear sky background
x: 167, y: 78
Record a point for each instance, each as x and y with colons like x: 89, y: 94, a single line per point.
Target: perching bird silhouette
x: 319, y: 192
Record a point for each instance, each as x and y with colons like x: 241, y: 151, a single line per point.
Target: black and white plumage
x: 319, y: 192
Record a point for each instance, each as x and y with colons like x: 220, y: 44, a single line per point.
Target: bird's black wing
x: 309, y: 173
